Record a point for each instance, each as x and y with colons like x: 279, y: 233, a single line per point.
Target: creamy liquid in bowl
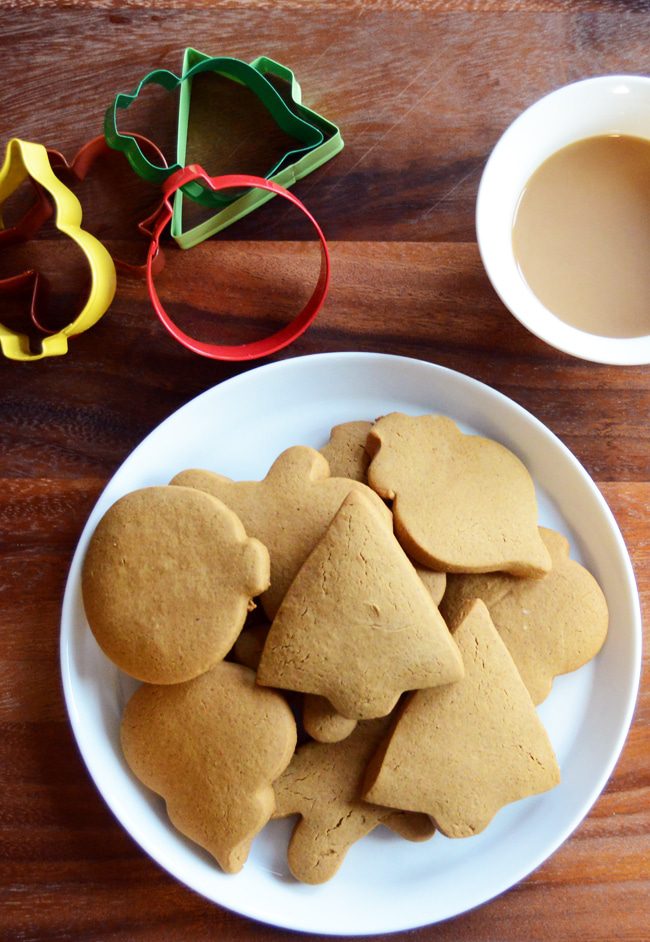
x: 581, y: 235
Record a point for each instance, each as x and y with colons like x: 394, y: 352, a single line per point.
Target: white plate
x: 385, y: 883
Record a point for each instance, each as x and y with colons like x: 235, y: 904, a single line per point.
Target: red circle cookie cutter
x: 257, y: 348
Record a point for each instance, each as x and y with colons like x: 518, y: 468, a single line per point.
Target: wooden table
x: 422, y: 91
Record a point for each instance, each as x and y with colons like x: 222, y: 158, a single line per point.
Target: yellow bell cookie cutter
x: 24, y: 159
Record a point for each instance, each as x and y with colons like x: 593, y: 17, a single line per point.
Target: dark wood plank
x: 386, y: 298
x: 419, y: 112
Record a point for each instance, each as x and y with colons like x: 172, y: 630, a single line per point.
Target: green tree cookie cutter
x: 291, y: 123
x: 286, y: 176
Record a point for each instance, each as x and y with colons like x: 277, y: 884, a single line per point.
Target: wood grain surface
x: 422, y: 91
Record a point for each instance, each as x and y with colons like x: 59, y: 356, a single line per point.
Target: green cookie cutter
x: 331, y: 144
x: 291, y: 123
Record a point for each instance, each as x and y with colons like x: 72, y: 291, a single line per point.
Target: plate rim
x: 630, y: 701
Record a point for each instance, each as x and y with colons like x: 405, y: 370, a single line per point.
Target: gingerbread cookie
x: 461, y: 752
x: 357, y: 625
x: 346, y: 451
x: 167, y: 581
x: 212, y: 747
x: 323, y: 722
x: 248, y: 647
x: 289, y: 511
x: 461, y: 503
x: 323, y: 785
x: 435, y: 582
x: 320, y: 719
x: 551, y: 625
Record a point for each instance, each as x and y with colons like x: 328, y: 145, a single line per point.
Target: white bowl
x: 602, y: 105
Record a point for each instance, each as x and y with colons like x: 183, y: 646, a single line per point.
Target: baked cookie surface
x: 357, y: 625
x: 323, y: 785
x: 320, y: 719
x: 461, y: 503
x: 460, y: 753
x: 551, y: 625
x: 167, y: 581
x: 212, y: 748
x: 346, y: 451
x: 288, y: 511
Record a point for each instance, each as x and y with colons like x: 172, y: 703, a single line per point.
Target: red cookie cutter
x: 78, y: 168
x: 22, y: 231
x: 258, y: 348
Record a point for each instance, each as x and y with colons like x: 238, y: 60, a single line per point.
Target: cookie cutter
x: 235, y: 69
x: 80, y: 166
x: 22, y: 231
x: 286, y: 176
x: 32, y: 220
x: 257, y: 348
x: 26, y: 160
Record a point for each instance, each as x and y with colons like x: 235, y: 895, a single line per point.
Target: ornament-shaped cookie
x: 323, y: 785
x: 461, y: 503
x: 460, y: 753
x: 551, y: 625
x: 167, y: 581
x: 212, y: 747
x: 289, y: 511
x: 357, y: 625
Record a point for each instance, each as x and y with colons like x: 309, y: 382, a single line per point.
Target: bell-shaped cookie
x: 319, y: 717
x: 357, y: 625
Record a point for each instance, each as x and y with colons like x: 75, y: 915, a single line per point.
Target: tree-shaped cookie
x: 460, y: 753
x: 461, y: 503
x: 212, y: 747
x: 323, y: 785
x: 551, y: 625
x: 357, y: 625
x: 167, y: 581
x: 289, y: 511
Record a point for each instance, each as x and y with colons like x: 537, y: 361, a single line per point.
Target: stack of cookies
x: 411, y: 614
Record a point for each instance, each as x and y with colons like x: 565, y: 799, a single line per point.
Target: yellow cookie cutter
x: 24, y: 159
